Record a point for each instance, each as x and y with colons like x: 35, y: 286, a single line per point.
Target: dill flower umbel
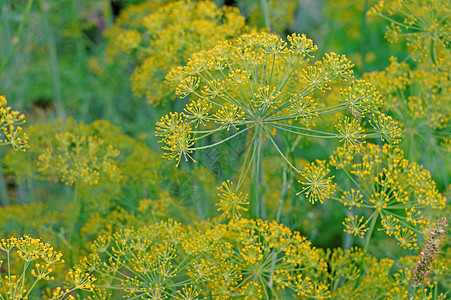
x: 263, y: 86
x: 260, y: 83
x: 157, y: 261
x: 420, y: 98
x: 108, y: 154
x: 386, y: 185
x: 318, y: 186
x: 78, y: 158
x: 244, y: 258
x: 231, y: 203
x: 424, y: 25
x: 354, y: 274
x: 356, y: 226
x: 11, y: 133
x: 268, y: 260
x: 69, y: 152
x: 26, y: 262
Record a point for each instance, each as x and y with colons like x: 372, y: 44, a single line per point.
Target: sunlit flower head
x: 259, y: 84
x: 386, y: 184
x: 11, y: 132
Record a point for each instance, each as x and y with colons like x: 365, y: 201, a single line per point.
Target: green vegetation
x: 272, y: 149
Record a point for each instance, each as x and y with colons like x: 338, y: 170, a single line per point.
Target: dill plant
x: 72, y: 153
x: 78, y: 158
x: 416, y: 89
x: 241, y: 259
x: 80, y: 155
x: 387, y: 187
x: 265, y: 87
x: 267, y: 91
x: 112, y: 181
x: 27, y: 262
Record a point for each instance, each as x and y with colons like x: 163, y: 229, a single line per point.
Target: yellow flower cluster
x: 164, y: 36
x: 260, y: 82
x: 244, y: 258
x: 69, y: 151
x: 388, y: 186
x: 417, y: 91
x: 231, y: 202
x: 269, y: 261
x: 76, y: 156
x: 11, y: 133
x: 425, y: 25
x: 152, y: 261
x: 419, y: 97
x: 318, y: 186
x: 177, y: 137
x: 130, y: 19
x: 355, y: 226
x: 25, y: 262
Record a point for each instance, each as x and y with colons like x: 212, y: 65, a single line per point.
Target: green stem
x: 224, y: 140
x: 412, y: 293
x: 364, y: 36
x: 16, y: 37
x: 285, y: 187
x: 83, y: 73
x: 280, y: 152
x: 76, y: 212
x: 323, y: 133
x: 367, y: 243
x: 436, y: 290
x: 248, y: 158
x: 3, y: 190
x: 411, y: 142
x: 54, y: 67
x: 292, y: 157
x: 264, y: 5
x: 258, y: 209
x: 370, y: 231
x: 273, y: 266
x: 22, y: 191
